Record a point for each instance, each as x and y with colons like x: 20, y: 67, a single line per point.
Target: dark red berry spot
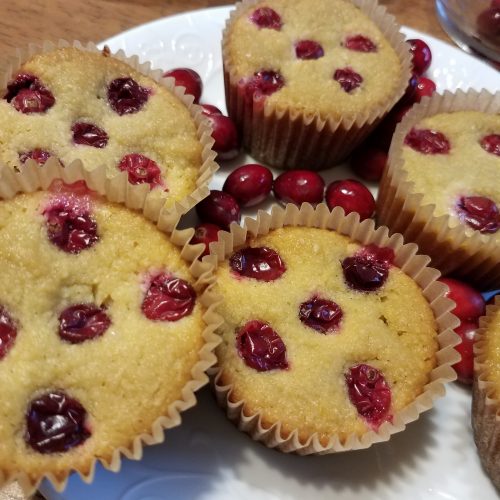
x: 480, y: 213
x: 352, y: 196
x: 219, y: 208
x: 360, y: 43
x: 168, y: 299
x: 261, y: 347
x: 264, y: 82
x: 321, y: 315
x: 141, y: 169
x: 82, y: 322
x: 428, y: 142
x: 28, y: 95
x: 205, y: 233
x: 348, y: 79
x: 55, y: 423
x: 126, y: 96
x: 265, y: 17
x: 225, y: 135
x: 89, y: 135
x: 39, y: 155
x: 260, y: 263
x: 308, y: 49
x: 491, y: 143
x: 8, y: 332
x: 369, y: 393
x: 249, y: 184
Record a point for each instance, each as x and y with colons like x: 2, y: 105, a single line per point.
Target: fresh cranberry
x: 469, y: 302
x: 225, y: 135
x: 359, y: 43
x: 265, y: 17
x: 491, y: 143
x: 82, y: 322
x: 369, y: 163
x: 168, y: 299
x: 141, y: 169
x: 249, y: 184
x: 219, y: 208
x: 206, y: 234
x: 421, y: 55
x: 382, y: 137
x: 126, y: 96
x: 89, y: 135
x: 55, y: 423
x: 369, y: 393
x: 37, y: 154
x: 488, y: 24
x: 352, y: 196
x: 321, y: 315
x: 480, y: 213
x: 308, y: 49
x: 428, y: 142
x: 465, y: 367
x: 348, y: 79
x: 8, y: 332
x: 189, y: 79
x: 28, y: 95
x: 210, y: 109
x: 260, y: 347
x: 260, y: 263
x: 264, y: 82
x: 299, y: 186
x: 425, y: 88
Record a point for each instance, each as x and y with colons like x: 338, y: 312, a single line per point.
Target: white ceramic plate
x: 207, y: 458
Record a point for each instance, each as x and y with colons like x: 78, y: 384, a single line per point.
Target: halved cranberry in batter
x: 369, y: 393
x: 168, y: 299
x: 308, y: 49
x: 264, y: 82
x: 428, y: 142
x: 480, y: 213
x: 265, y: 17
x: 28, y: 95
x: 491, y: 143
x: 8, y: 332
x: 126, y: 96
x: 141, y: 170
x: 348, y: 79
x: 88, y: 134
x: 260, y: 263
x: 359, y: 43
x: 37, y: 154
x: 322, y: 315
x: 81, y: 322
x: 260, y: 347
x: 55, y: 423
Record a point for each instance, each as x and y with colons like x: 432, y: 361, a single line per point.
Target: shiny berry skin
x: 265, y: 17
x: 488, y: 24
x: 126, y: 96
x: 308, y: 49
x: 299, y: 186
x: 369, y: 393
x: 28, y: 95
x: 260, y: 347
x: 210, y: 109
x: 425, y: 88
x: 219, y: 208
x: 427, y: 142
x: 421, y: 55
x: 260, y: 263
x: 348, y: 79
x: 206, y: 234
x: 249, y: 184
x: 352, y: 196
x: 81, y: 322
x: 479, y: 213
x: 168, y: 299
x: 88, y: 134
x: 321, y: 315
x: 469, y: 302
x: 465, y: 367
x: 263, y: 83
x: 491, y: 144
x: 189, y: 79
x: 8, y: 332
x: 369, y: 163
x: 55, y: 423
x: 39, y: 155
x: 224, y: 133
x: 141, y: 170
x: 359, y: 43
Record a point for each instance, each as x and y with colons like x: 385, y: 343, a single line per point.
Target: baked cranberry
x: 260, y: 263
x: 37, y: 154
x: 81, y: 322
x: 168, y: 299
x: 219, y: 208
x: 308, y: 49
x: 321, y: 315
x: 299, y: 186
x: 352, y: 196
x: 260, y: 347
x: 88, y: 134
x: 265, y: 17
x: 488, y: 24
x: 210, y: 109
x: 206, y: 234
x: 359, y: 43
x: 425, y: 88
x: 369, y: 393
x: 421, y: 55
x: 369, y: 163
x: 141, y: 169
x: 28, y: 95
x: 348, y: 79
x: 491, y: 143
x: 480, y: 213
x: 225, y: 135
x: 469, y: 302
x: 126, y: 96
x: 249, y: 184
x: 189, y: 79
x: 428, y: 142
x: 465, y: 367
x: 264, y: 82
x: 55, y: 423
x: 8, y: 332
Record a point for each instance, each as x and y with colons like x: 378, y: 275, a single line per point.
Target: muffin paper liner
x: 288, y: 138
x: 485, y: 406
x: 204, y: 130
x: 406, y: 258
x: 466, y: 253
x: 139, y: 198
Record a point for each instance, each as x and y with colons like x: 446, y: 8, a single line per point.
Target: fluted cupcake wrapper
x: 406, y: 258
x: 452, y: 248
x: 288, y: 138
x: 138, y: 198
x: 204, y: 130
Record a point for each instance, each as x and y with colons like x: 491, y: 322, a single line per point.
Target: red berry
x: 348, y: 79
x: 8, y: 332
x: 37, y: 154
x: 495, y: 3
x: 480, y: 213
x: 369, y: 163
x: 469, y: 302
x: 427, y: 141
x: 210, y: 109
x: 352, y: 196
x: 206, y: 234
x: 322, y: 315
x: 359, y: 43
x: 225, y: 135
x: 219, y: 208
x: 488, y: 24
x: 265, y: 17
x: 299, y: 186
x: 28, y: 95
x: 425, y: 88
x: 82, y: 322
x: 89, y: 135
x: 491, y: 143
x: 308, y: 49
x: 141, y: 169
x: 263, y: 83
x: 421, y: 55
x: 260, y: 263
x: 126, y: 96
x: 249, y: 184
x: 189, y: 79
x: 465, y: 367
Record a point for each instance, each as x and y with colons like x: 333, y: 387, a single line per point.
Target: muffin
x: 320, y: 352
x: 307, y: 80
x: 440, y: 189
